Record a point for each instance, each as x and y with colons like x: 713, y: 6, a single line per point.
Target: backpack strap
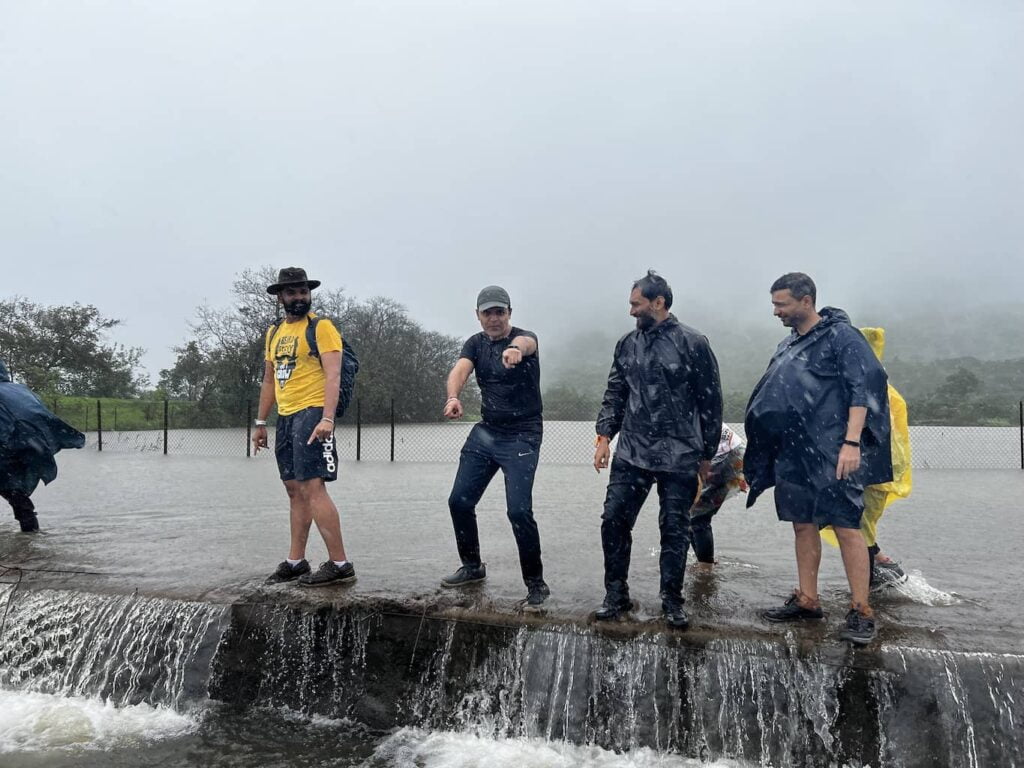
x: 314, y: 350
x: 270, y: 336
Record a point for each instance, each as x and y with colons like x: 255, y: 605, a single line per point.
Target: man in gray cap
x: 508, y: 438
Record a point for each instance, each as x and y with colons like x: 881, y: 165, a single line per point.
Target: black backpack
x: 349, y: 364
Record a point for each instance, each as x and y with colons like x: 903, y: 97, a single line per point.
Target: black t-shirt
x: 510, y: 396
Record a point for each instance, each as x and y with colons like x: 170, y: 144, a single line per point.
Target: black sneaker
x: 859, y: 629
x: 287, y: 572
x: 537, y: 593
x: 791, y: 610
x: 329, y: 574
x: 612, y: 608
x: 29, y: 523
x: 675, y: 616
x: 887, y: 574
x: 467, y: 574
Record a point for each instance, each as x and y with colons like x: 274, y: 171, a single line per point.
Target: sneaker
x: 675, y: 616
x: 537, y: 593
x: 29, y: 524
x: 287, y: 572
x: 859, y: 629
x: 887, y: 574
x: 791, y: 610
x: 613, y: 607
x: 467, y: 574
x: 329, y: 574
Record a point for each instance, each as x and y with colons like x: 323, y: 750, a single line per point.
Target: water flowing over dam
x: 137, y: 630
x: 384, y: 665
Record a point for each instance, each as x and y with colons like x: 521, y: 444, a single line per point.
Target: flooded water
x: 199, y: 526
x: 93, y: 673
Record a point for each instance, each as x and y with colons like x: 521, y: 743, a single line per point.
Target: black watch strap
x: 854, y: 443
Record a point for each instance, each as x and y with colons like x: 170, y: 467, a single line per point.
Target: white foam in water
x: 37, y: 722
x: 415, y: 748
x: 915, y: 588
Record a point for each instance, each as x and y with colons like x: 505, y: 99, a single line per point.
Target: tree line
x: 221, y: 366
x: 65, y: 350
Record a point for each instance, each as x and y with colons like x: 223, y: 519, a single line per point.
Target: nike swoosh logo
x: 526, y: 454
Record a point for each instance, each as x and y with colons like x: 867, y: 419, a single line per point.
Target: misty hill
x: 964, y: 369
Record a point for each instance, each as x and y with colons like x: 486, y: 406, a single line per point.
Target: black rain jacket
x: 30, y: 435
x: 797, y: 415
x: 664, y: 398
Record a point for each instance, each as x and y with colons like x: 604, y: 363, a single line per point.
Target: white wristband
x: 261, y: 422
x: 327, y: 419
x: 450, y: 399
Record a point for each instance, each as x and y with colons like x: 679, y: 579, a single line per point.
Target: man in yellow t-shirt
x: 306, y: 391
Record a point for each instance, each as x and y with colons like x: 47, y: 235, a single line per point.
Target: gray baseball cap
x: 493, y: 296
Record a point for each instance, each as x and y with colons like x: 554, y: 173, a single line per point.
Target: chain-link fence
x: 167, y: 427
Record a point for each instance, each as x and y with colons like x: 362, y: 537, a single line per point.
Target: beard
x: 297, y: 308
x: 645, y: 322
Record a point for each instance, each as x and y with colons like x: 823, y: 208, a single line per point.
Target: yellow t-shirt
x: 300, y: 378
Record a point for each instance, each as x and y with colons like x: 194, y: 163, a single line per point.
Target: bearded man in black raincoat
x: 30, y: 435
x: 817, y: 429
x: 664, y: 400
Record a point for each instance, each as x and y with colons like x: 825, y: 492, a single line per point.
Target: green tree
x: 562, y: 402
x: 960, y: 385
x: 192, y: 377
x: 64, y: 349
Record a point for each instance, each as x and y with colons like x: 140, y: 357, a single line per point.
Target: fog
x: 421, y: 150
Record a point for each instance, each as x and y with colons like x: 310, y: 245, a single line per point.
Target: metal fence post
x: 166, y: 420
x: 248, y: 429
x: 99, y: 425
x: 359, y: 429
x: 392, y: 429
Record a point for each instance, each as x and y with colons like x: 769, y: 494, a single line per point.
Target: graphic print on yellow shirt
x: 299, y: 377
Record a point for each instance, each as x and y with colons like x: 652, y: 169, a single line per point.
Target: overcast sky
x: 150, y: 151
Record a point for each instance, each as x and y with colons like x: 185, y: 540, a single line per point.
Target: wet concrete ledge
x: 790, y: 696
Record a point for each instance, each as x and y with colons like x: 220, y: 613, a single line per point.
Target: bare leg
x: 855, y: 560
x: 808, y: 558
x: 301, y: 518
x: 325, y: 515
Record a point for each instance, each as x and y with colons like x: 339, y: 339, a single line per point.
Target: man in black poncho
x: 817, y: 429
x: 664, y: 400
x: 30, y: 435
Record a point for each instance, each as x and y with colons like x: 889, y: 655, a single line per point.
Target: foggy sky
x: 149, y: 152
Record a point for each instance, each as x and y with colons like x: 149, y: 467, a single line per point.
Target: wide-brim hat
x: 292, y: 276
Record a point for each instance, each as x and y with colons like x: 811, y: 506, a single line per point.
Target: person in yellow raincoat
x: 884, y: 570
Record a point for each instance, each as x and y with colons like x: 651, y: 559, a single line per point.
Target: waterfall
x: 757, y: 700
x: 747, y: 697
x: 119, y: 648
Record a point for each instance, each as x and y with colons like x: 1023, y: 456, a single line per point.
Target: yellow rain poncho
x: 878, y: 497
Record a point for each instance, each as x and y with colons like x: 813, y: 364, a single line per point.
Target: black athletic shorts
x: 295, y: 459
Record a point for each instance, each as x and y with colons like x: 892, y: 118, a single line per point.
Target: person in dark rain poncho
x: 664, y: 400
x: 30, y: 435
x: 817, y: 428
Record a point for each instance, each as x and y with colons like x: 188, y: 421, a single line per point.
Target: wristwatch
x: 513, y: 346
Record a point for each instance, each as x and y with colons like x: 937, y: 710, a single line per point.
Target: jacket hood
x: 831, y: 315
x: 876, y: 338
